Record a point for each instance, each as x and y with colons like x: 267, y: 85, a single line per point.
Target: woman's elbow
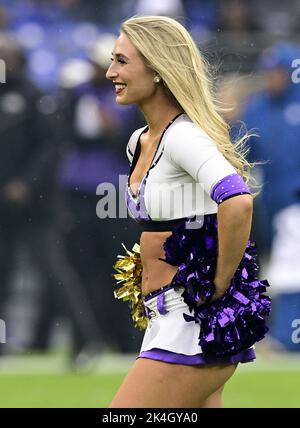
x: 242, y: 204
x: 246, y: 202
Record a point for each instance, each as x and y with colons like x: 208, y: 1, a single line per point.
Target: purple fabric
x: 199, y: 359
x: 161, y: 304
x: 231, y: 185
x: 157, y: 292
x: 160, y: 294
x: 136, y: 205
x: 235, y: 321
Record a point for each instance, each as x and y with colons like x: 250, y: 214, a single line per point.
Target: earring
x: 157, y: 79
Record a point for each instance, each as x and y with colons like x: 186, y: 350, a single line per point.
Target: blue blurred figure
x: 94, y: 131
x: 275, y: 114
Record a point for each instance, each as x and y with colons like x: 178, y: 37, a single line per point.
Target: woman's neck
x: 158, y: 114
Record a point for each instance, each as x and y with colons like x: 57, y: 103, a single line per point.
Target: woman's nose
x: 110, y: 74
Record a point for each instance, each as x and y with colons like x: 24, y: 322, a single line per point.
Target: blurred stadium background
x: 68, y: 343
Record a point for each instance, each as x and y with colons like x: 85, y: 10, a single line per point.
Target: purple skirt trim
x: 199, y: 359
x: 158, y: 292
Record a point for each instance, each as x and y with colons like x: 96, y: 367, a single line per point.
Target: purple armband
x: 229, y: 186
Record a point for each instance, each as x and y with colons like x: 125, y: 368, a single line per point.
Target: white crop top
x: 186, y: 166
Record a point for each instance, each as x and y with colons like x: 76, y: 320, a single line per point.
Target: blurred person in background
x: 275, y: 114
x: 30, y: 131
x: 236, y: 16
x: 94, y: 128
x: 28, y: 156
x: 277, y: 18
x: 234, y: 48
x: 233, y: 92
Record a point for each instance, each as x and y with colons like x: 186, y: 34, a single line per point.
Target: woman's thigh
x: 156, y: 384
x: 214, y: 400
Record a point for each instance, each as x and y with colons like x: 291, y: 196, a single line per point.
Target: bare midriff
x: 156, y: 273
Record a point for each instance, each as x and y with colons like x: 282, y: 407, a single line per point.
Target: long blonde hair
x: 169, y: 50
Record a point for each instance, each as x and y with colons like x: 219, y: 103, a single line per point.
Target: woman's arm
x: 203, y: 161
x: 234, y: 226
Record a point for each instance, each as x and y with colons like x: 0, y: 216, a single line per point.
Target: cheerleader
x: 194, y: 284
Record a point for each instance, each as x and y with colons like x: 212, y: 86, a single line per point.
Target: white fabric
x: 284, y: 267
x: 179, y: 185
x: 170, y: 331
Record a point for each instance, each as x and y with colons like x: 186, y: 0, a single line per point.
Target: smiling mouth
x: 119, y: 87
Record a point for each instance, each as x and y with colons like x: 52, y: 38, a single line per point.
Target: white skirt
x: 170, y: 331
x: 170, y: 338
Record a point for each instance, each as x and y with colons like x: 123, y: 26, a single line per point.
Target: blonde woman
x: 204, y: 304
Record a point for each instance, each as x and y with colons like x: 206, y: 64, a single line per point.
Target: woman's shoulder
x: 184, y: 134
x: 131, y: 145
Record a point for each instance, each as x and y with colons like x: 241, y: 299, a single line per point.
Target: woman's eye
x: 121, y: 61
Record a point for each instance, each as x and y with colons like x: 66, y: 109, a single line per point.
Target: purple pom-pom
x: 235, y: 321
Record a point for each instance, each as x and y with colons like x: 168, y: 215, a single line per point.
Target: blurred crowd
x: 62, y: 134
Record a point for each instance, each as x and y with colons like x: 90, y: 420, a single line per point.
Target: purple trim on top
x: 198, y: 359
x: 141, y: 196
x: 136, y: 205
x: 158, y: 292
x: 229, y: 186
x: 139, y: 211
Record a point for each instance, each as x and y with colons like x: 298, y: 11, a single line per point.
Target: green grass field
x: 42, y: 382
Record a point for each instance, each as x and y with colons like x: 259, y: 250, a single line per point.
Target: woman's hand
x: 217, y: 295
x: 221, y: 289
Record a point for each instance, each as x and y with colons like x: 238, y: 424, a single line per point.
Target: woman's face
x: 129, y: 69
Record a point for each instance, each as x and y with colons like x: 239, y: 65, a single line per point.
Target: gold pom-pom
x: 129, y: 270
